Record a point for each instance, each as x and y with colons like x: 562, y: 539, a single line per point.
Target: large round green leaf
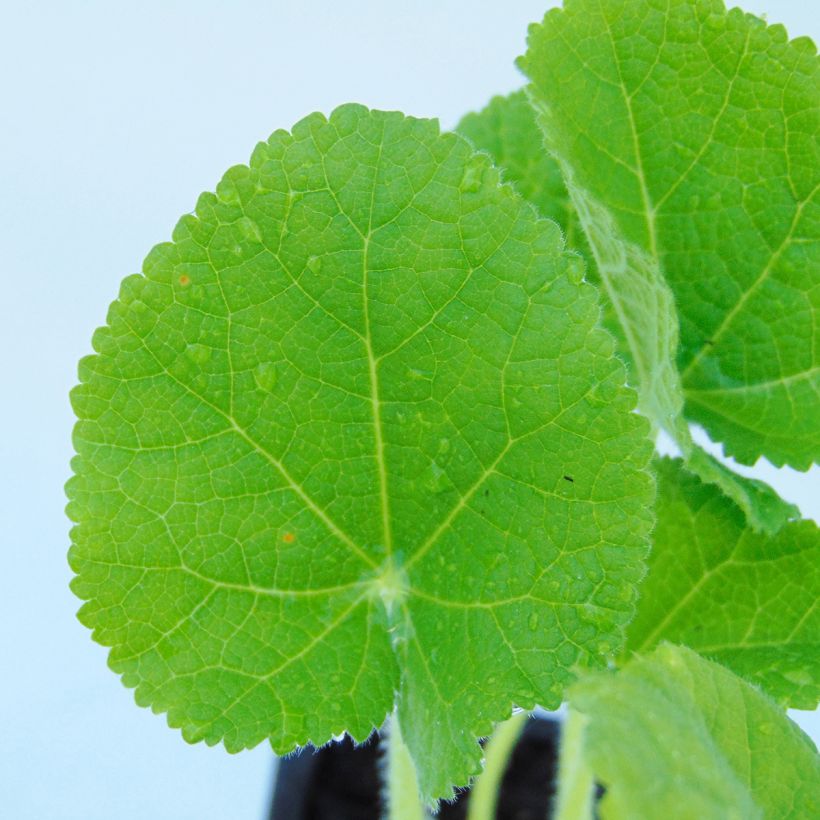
x: 354, y: 439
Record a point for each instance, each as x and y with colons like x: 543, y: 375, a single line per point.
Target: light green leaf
x: 764, y: 509
x: 747, y: 600
x: 506, y: 128
x: 353, y: 438
x: 674, y: 735
x: 687, y: 136
x: 640, y: 298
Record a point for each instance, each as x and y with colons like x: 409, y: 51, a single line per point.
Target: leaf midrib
x: 651, y: 208
x: 729, y: 318
x: 375, y: 399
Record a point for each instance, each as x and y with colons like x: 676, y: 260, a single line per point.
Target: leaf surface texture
x: 687, y: 136
x: 354, y: 438
x: 703, y: 743
x: 507, y: 129
x: 745, y: 599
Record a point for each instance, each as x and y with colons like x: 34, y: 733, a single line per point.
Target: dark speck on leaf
x: 569, y: 478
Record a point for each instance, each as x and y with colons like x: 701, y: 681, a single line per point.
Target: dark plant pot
x: 341, y: 781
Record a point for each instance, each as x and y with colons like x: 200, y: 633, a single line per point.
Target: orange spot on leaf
x: 288, y: 537
x: 184, y: 280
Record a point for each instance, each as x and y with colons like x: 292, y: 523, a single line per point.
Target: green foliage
x: 674, y: 735
x: 764, y: 509
x: 356, y: 415
x: 356, y: 442
x: 742, y: 598
x: 507, y: 130
x: 687, y: 138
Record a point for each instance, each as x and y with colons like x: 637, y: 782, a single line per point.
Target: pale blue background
x: 114, y: 117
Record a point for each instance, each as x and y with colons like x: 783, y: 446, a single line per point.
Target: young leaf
x: 674, y: 735
x: 744, y: 599
x: 687, y: 138
x: 353, y: 438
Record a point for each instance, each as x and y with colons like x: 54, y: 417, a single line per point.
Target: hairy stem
x: 484, y: 794
x: 575, y: 781
x: 400, y: 783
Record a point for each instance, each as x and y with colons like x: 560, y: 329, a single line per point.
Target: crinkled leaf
x: 353, y: 438
x: 687, y: 136
x: 764, y: 509
x: 745, y: 599
x: 675, y: 735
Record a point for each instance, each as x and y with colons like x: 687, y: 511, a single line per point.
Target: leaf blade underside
x: 704, y: 743
x: 355, y: 426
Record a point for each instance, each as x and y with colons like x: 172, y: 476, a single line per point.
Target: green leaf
x: 507, y: 130
x: 687, y: 138
x: 674, y: 735
x: 353, y: 438
x: 742, y: 598
x: 764, y: 509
